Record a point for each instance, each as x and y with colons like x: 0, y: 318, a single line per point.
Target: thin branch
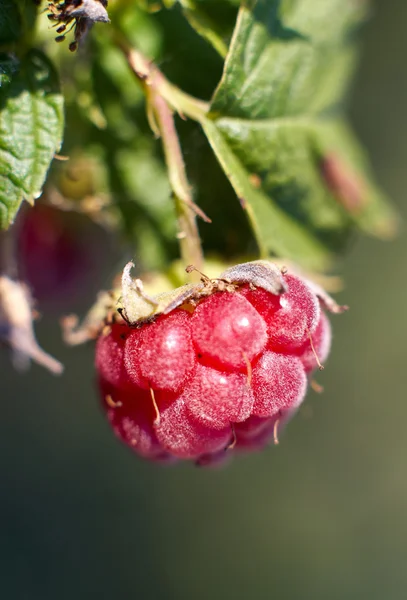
x: 188, y: 235
x: 162, y: 98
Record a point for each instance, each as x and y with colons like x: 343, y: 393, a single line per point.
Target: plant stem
x: 188, y: 235
x: 162, y: 98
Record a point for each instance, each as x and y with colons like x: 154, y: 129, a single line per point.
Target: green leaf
x: 10, y: 22
x: 275, y: 117
x: 275, y: 230
x: 31, y: 126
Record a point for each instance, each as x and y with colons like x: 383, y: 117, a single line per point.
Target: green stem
x: 162, y: 99
x: 188, y: 235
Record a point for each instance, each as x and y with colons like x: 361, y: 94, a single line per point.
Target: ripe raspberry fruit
x: 222, y: 367
x: 227, y: 331
x: 160, y: 354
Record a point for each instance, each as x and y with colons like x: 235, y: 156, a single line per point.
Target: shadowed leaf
x: 31, y: 125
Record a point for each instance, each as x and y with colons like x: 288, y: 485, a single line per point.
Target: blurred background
x: 321, y: 516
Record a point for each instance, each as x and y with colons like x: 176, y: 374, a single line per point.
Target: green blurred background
x: 321, y: 516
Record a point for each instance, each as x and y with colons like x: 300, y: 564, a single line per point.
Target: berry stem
x: 186, y: 210
x: 162, y: 98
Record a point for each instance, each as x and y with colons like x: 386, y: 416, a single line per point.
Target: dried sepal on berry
x: 260, y: 273
x: 138, y: 305
x: 134, y: 304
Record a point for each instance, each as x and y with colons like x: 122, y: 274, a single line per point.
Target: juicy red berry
x: 227, y: 331
x: 161, y: 355
x: 291, y: 317
x: 109, y: 358
x: 321, y: 340
x: 229, y: 376
x: 218, y: 398
x: 183, y: 436
x: 279, y: 383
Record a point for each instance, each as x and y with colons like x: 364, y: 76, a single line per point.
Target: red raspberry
x: 109, y: 358
x: 191, y: 386
x: 218, y: 398
x: 161, y: 355
x: 227, y: 331
x: 279, y: 383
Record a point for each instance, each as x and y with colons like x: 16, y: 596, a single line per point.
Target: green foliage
x: 276, y: 114
x: 31, y: 125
